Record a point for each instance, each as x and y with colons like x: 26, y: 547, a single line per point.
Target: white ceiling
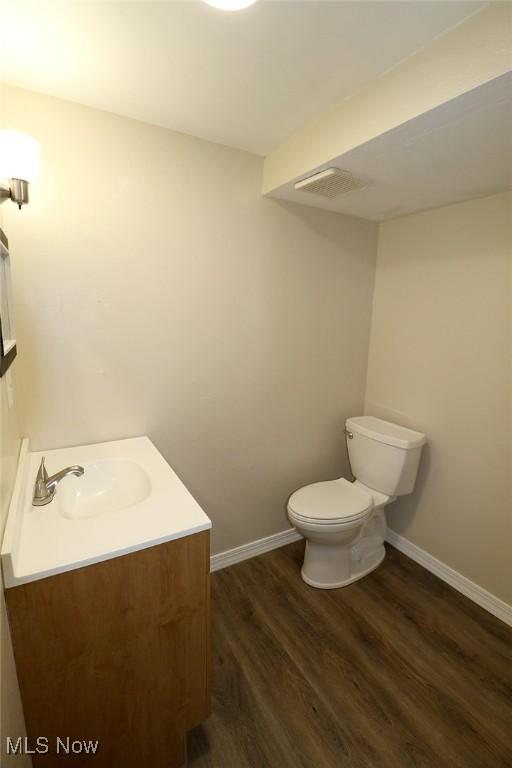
x: 248, y: 79
x: 458, y: 151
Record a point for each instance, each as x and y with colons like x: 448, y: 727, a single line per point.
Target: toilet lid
x: 331, y: 501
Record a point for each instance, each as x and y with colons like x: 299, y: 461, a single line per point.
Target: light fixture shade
x: 19, y: 156
x: 230, y: 5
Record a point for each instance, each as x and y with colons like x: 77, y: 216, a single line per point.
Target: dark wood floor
x: 396, y: 670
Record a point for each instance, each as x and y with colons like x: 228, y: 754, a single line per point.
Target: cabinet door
x: 117, y: 652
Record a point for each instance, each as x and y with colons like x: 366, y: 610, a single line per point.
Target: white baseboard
x: 477, y: 594
x: 253, y: 548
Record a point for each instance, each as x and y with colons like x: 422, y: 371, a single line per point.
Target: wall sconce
x: 19, y: 164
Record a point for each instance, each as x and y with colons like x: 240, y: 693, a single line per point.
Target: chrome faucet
x: 45, y: 487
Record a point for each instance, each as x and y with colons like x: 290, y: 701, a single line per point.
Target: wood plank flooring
x: 395, y: 671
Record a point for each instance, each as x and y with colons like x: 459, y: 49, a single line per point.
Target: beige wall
x: 157, y: 293
x: 440, y: 361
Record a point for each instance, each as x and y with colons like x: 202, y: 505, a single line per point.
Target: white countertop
x: 40, y: 541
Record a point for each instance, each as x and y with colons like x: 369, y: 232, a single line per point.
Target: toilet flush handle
x: 349, y: 434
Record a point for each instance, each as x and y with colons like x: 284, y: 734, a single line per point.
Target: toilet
x: 343, y: 522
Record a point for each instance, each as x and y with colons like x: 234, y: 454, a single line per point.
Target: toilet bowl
x: 342, y: 525
x: 344, y: 522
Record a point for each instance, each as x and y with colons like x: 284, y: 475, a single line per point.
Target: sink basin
x: 128, y: 499
x: 108, y: 485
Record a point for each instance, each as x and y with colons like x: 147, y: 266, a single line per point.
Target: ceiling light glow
x: 230, y: 5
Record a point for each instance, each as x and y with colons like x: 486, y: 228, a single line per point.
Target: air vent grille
x: 330, y: 183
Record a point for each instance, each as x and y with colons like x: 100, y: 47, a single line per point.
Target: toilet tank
x: 383, y: 456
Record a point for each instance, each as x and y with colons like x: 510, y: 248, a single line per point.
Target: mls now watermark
x: 43, y: 746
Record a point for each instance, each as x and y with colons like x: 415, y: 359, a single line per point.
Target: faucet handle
x: 40, y: 488
x: 42, y: 474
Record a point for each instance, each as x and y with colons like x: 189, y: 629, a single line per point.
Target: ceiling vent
x: 330, y: 183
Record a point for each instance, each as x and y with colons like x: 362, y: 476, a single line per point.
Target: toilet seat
x: 330, y: 503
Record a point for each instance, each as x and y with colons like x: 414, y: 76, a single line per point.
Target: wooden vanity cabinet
x: 117, y: 652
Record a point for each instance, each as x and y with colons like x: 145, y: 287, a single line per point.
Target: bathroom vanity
x: 108, y: 595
